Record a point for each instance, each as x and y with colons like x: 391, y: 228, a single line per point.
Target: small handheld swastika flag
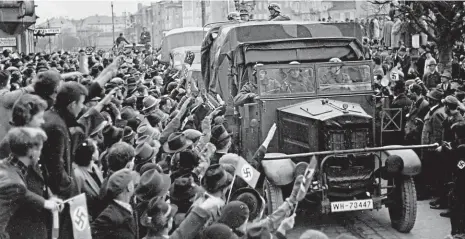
x: 79, y: 217
x: 247, y: 172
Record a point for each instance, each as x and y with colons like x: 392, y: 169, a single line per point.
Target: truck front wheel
x: 403, y: 203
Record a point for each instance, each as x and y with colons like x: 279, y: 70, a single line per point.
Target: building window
x: 347, y: 15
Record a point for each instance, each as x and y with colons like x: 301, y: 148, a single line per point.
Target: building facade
x: 214, y: 11
x: 158, y: 17
x: 16, y: 28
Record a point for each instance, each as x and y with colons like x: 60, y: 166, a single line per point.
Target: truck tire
x: 273, y: 196
x: 403, y: 209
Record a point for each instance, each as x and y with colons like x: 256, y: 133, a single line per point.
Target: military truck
x: 312, y: 80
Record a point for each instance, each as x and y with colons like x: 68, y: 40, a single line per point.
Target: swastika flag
x: 79, y: 217
x: 247, y: 172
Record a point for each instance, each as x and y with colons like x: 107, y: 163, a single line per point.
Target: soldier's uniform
x: 299, y: 84
x: 246, y: 95
x: 270, y: 86
x: 443, y: 168
x: 457, y: 196
x: 277, y: 16
x: 332, y: 78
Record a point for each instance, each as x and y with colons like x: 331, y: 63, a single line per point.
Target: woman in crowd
x: 28, y: 111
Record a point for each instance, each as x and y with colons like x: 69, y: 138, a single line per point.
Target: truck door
x: 250, y: 129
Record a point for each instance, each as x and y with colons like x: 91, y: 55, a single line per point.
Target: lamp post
x: 113, y: 21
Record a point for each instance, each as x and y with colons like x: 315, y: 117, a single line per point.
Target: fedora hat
x: 251, y: 198
x: 183, y: 189
x: 157, y: 213
x: 176, y: 142
x: 145, y: 152
x: 128, y: 134
x: 192, y: 134
x: 146, y: 129
x: 219, y: 134
x: 145, y: 139
x: 446, y: 75
x: 149, y: 102
x: 128, y: 113
x: 156, y: 117
x: 216, y: 178
x: 152, y: 184
x: 96, y: 122
x: 435, y: 94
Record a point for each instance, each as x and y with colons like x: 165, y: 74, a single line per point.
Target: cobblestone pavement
x: 373, y: 224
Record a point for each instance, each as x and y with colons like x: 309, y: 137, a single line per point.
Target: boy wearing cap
x: 445, y: 85
x: 431, y: 77
x: 117, y: 221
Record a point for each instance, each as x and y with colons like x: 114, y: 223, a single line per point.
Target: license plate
x: 354, y: 205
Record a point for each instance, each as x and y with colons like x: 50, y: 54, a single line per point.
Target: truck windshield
x: 344, y: 79
x: 289, y: 80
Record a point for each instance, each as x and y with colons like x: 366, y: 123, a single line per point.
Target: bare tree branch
x: 418, y: 23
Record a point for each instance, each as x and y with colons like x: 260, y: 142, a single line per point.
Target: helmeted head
x: 244, y: 14
x: 274, y: 8
x: 294, y: 70
x: 234, y: 16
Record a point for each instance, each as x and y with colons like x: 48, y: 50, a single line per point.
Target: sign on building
x: 7, y: 41
x: 47, y: 32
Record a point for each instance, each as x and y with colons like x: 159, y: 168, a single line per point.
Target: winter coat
x: 432, y: 128
x: 115, y: 222
x: 415, y: 117
x: 376, y: 30
x: 387, y: 33
x: 31, y: 220
x: 395, y: 34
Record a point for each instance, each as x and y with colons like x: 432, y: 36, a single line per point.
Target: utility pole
x: 49, y: 38
x: 113, y: 20
x: 202, y: 6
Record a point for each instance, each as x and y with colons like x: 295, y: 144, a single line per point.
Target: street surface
x: 373, y: 224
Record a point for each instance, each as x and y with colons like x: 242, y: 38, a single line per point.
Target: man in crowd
x: 145, y: 36
x: 25, y: 144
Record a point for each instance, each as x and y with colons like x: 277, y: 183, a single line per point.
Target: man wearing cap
x: 445, y: 85
x: 117, y: 220
x: 432, y: 78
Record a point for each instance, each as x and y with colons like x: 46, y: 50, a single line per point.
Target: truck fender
x: 411, y: 161
x: 279, y: 172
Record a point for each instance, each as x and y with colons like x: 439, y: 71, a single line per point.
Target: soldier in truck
x: 296, y: 82
x: 334, y: 75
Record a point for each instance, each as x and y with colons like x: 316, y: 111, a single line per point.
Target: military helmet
x: 274, y: 6
x: 244, y: 12
x: 233, y: 15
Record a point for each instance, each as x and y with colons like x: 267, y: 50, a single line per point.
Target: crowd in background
x: 138, y: 138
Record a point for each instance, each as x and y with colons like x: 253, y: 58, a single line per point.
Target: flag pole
x: 230, y: 190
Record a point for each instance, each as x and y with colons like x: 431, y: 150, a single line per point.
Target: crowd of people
x: 135, y: 137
